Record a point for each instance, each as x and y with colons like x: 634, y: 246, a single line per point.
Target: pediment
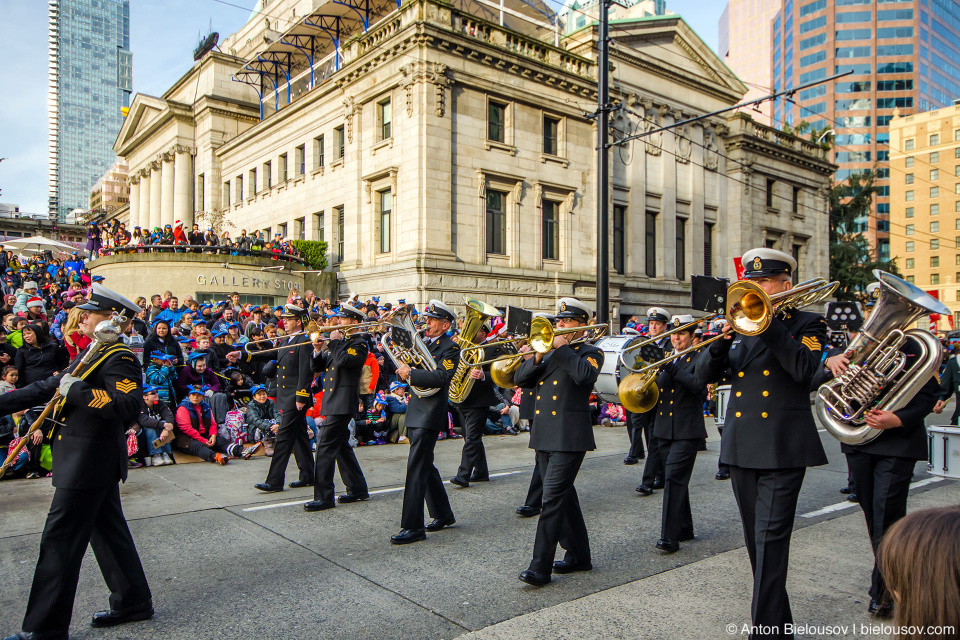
x: 143, y: 111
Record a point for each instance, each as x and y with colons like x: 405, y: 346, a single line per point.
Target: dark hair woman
x: 40, y: 356
x: 160, y: 339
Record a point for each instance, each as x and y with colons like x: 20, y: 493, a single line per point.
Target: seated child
x: 196, y: 431
x: 156, y: 421
x: 262, y: 419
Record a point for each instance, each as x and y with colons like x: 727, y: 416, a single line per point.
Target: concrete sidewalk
x: 830, y: 565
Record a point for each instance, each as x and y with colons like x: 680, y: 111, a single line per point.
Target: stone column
x: 183, y: 188
x: 143, y: 221
x: 134, y: 219
x: 166, y: 191
x: 155, y: 195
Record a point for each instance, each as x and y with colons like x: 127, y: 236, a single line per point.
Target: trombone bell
x: 638, y: 392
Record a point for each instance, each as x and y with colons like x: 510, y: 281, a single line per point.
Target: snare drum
x: 723, y: 397
x: 613, y: 371
x: 944, y: 451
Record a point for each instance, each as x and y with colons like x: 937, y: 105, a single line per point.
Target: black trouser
x: 767, y: 499
x: 561, y: 521
x: 956, y: 410
x: 883, y: 484
x: 291, y: 438
x: 721, y: 468
x: 423, y: 482
x: 78, y: 518
x: 535, y: 491
x: 473, y: 460
x: 333, y: 450
x: 676, y: 520
x: 653, y: 467
x: 201, y: 450
x: 635, y: 422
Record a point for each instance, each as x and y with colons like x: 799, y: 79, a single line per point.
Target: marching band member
x: 563, y: 379
x: 528, y: 403
x: 294, y: 377
x: 341, y: 359
x: 426, y: 418
x: 652, y: 477
x: 679, y: 429
x: 770, y: 436
x: 473, y: 410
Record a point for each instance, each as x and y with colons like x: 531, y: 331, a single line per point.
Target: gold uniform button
x: 765, y: 372
x: 764, y: 414
x: 740, y: 374
x: 688, y: 359
x: 538, y: 411
x: 554, y: 382
x: 671, y: 402
x: 766, y: 393
x: 554, y: 397
x: 738, y: 414
x: 541, y: 383
x: 554, y: 413
x: 671, y: 413
x: 739, y: 393
x: 538, y: 397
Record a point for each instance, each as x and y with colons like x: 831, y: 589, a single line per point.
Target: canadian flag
x: 738, y: 265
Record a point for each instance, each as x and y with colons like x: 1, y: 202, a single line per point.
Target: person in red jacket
x: 196, y: 431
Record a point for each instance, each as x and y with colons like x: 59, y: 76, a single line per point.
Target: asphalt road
x: 225, y: 561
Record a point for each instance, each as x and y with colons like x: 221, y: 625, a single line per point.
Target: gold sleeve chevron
x: 810, y: 343
x: 126, y: 386
x: 100, y: 399
x: 303, y: 392
x: 447, y: 364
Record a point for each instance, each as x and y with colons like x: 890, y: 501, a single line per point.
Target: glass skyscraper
x: 90, y: 80
x: 904, y: 54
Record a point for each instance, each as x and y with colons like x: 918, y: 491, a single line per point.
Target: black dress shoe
x: 460, y: 482
x: 658, y: 483
x: 476, y: 478
x: 534, y: 578
x: 263, y: 486
x: 406, y: 536
x: 317, y: 505
x: 722, y: 475
x: 30, y: 635
x: 347, y: 498
x: 119, y: 616
x: 644, y: 490
x: 845, y: 490
x: 299, y: 484
x: 670, y: 546
x: 853, y: 498
x: 631, y: 460
x: 880, y: 610
x: 438, y: 524
x: 562, y: 566
x: 526, y: 511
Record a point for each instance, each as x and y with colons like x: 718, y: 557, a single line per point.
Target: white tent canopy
x: 37, y: 244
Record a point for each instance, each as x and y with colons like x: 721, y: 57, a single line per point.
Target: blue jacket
x: 171, y: 316
x: 395, y: 404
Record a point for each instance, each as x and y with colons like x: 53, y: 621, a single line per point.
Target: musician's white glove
x: 209, y: 393
x: 65, y: 383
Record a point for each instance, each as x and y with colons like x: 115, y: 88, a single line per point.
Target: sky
x: 163, y: 34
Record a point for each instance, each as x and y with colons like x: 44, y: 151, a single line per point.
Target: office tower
x: 745, y: 45
x: 90, y: 80
x: 903, y: 55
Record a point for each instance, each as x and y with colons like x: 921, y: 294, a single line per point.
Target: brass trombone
x: 314, y: 330
x: 749, y: 310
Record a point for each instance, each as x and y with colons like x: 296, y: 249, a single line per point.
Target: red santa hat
x: 177, y: 223
x: 34, y: 302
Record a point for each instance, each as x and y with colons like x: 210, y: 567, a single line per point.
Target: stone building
x: 446, y: 150
x: 111, y: 192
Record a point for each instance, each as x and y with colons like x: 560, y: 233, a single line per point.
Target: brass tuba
x: 416, y: 354
x: 470, y: 353
x: 876, y: 377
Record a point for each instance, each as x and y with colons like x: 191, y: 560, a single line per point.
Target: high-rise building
x: 745, y: 45
x: 925, y: 202
x: 90, y: 80
x: 577, y: 14
x: 903, y: 54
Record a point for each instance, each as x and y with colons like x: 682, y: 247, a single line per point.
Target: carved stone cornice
x: 133, y: 179
x: 166, y: 156
x: 180, y: 148
x: 350, y: 108
x: 432, y: 72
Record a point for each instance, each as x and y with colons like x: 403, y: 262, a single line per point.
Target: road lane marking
x: 277, y: 505
x: 840, y: 506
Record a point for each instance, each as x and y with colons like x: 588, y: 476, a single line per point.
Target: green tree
x: 852, y: 261
x: 314, y: 252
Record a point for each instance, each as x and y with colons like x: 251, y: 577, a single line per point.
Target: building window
x: 299, y: 228
x: 300, y: 158
x: 934, y: 139
x: 909, y: 230
x: 226, y: 193
x: 253, y: 181
x: 681, y: 249
x: 934, y: 157
x: 908, y: 145
x: 338, y: 212
x: 934, y: 175
x: 934, y: 278
x: 770, y: 184
x: 908, y: 212
x: 650, y: 244
x: 318, y: 226
x: 934, y: 192
x: 909, y: 161
x: 267, y: 174
x: 910, y: 279
x: 496, y: 121
x: 199, y: 206
x: 551, y: 136
x: 551, y: 230
x: 935, y: 245
x: 384, y: 120
x: 385, y: 206
x: 934, y: 227
x: 318, y: 152
x: 619, y: 238
x: 909, y: 247
x: 282, y: 230
x: 909, y: 263
x: 338, y: 142
x: 282, y: 168
x: 496, y: 222
x: 909, y: 196
x: 935, y: 209
x: 796, y: 200
x: 908, y: 178
x: 707, y: 249
x: 239, y: 189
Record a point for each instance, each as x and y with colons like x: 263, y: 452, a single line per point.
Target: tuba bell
x: 877, y: 377
x: 416, y: 354
x: 477, y: 313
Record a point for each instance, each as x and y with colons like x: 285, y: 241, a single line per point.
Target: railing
x: 195, y: 248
